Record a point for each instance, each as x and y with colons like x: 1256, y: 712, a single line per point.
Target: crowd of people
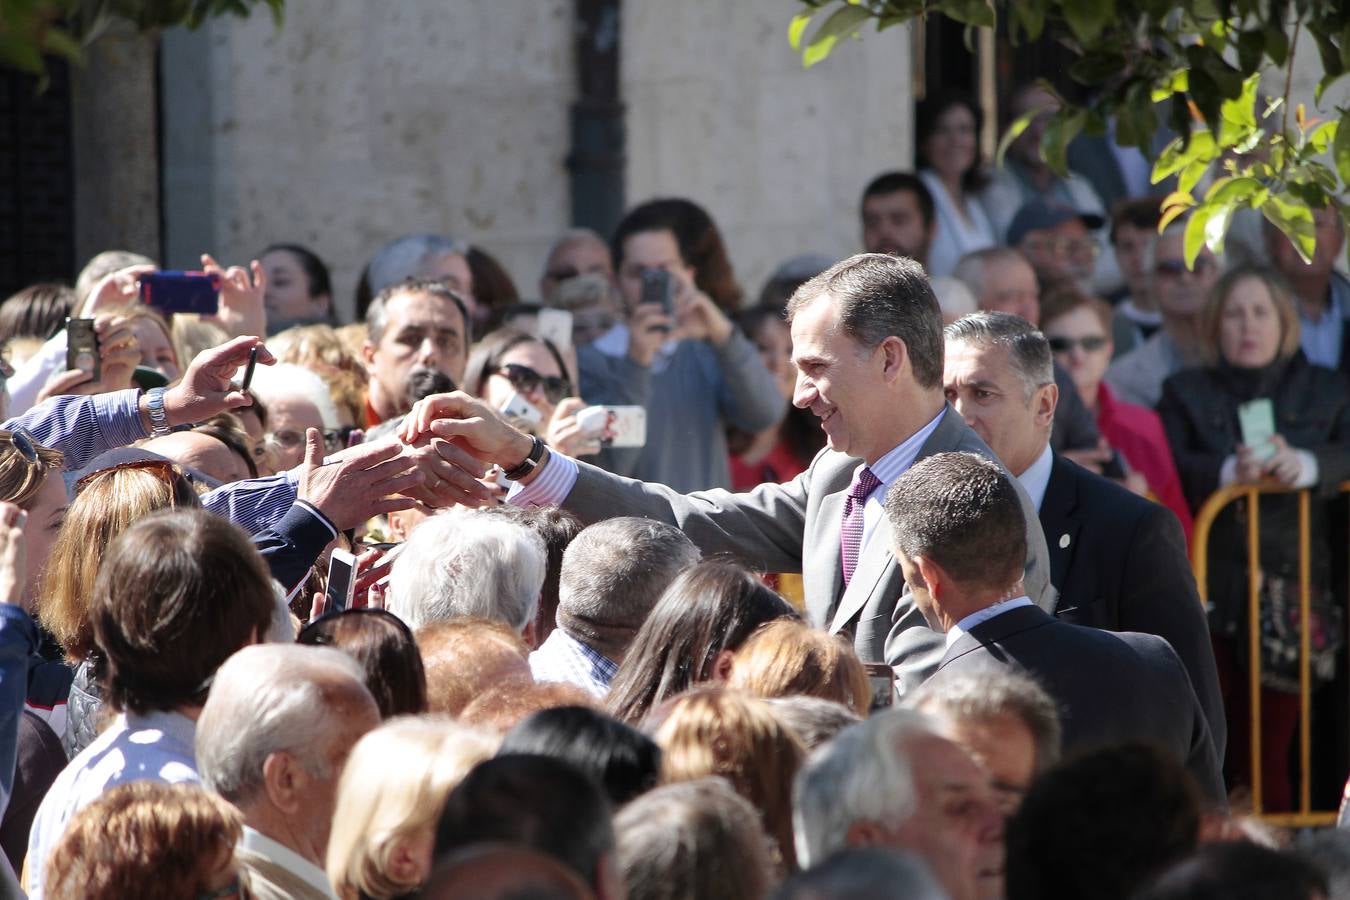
x: 876, y: 585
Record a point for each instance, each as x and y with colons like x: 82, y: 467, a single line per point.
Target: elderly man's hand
x: 207, y: 388
x: 362, y: 484
x: 450, y: 475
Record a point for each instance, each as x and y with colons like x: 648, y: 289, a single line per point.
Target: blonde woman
x: 715, y: 731
x: 789, y: 658
x: 389, y: 798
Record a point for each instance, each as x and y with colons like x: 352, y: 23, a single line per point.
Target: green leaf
x: 1295, y: 219
x: 1329, y: 52
x: 1195, y: 233
x: 1216, y: 225
x: 1176, y: 83
x: 1320, y: 138
x: 977, y: 13
x: 59, y: 42
x: 1087, y: 18
x: 1176, y: 157
x: 1340, y: 153
x: 1014, y: 131
x: 1191, y: 175
x: 1062, y: 128
x: 1232, y: 190
x: 1031, y: 17
x: 1277, y: 42
x: 1251, y: 46
x: 1325, y: 83
x: 843, y: 22
x: 798, y: 26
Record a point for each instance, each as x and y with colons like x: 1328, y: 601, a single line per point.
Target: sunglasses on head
x: 524, y: 379
x: 1090, y: 344
x: 164, y: 470
x: 24, y: 442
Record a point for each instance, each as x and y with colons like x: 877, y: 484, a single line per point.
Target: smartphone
x: 341, y: 581
x: 82, y: 347
x: 882, y: 679
x: 1257, y: 422
x: 615, y: 426
x: 521, y: 413
x: 181, y: 292
x: 659, y: 288
x: 555, y: 326
x: 248, y: 370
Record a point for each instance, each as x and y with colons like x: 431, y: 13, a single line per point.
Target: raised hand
x: 120, y: 288
x: 241, y: 310
x: 474, y: 429
x: 361, y: 485
x: 207, y: 388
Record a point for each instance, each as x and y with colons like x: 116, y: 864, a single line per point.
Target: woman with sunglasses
x: 1078, y: 328
x: 509, y: 362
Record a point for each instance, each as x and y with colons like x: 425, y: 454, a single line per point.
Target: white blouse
x: 956, y: 235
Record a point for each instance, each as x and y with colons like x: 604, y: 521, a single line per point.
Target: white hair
x: 289, y: 380
x: 954, y: 296
x: 404, y: 257
x: 464, y: 563
x: 282, y: 629
x: 272, y: 698
x: 861, y: 775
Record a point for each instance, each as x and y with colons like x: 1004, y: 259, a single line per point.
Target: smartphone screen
x: 182, y: 292
x: 82, y: 348
x: 882, y: 679
x: 341, y: 581
x: 659, y: 288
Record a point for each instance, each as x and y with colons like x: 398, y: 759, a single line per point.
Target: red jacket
x: 1137, y: 432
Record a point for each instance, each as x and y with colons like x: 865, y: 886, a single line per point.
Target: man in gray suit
x: 867, y: 344
x: 954, y: 520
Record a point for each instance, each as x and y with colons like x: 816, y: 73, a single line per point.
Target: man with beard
x: 415, y: 329
x: 897, y: 216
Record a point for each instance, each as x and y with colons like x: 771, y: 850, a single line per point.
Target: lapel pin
x: 1063, y: 541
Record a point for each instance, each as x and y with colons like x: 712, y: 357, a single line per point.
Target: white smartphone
x: 615, y: 426
x: 554, y: 325
x: 1256, y: 419
x: 521, y: 412
x: 341, y: 581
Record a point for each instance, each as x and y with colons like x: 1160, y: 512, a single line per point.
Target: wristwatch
x: 154, y: 403
x: 528, y: 464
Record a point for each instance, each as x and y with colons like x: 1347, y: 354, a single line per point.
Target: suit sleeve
x: 1203, y: 759
x: 291, y: 546
x: 1160, y: 597
x: 761, y: 529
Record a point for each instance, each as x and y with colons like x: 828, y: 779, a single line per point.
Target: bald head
x: 202, y: 453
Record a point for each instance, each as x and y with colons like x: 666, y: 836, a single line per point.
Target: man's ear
x: 894, y: 358
x: 721, y: 666
x: 1043, y: 404
x: 529, y: 635
x: 865, y: 833
x: 284, y: 782
x: 368, y: 352
x: 934, y: 577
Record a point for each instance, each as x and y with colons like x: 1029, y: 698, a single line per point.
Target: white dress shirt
x: 1037, y: 477
x: 984, y: 615
x: 889, y: 468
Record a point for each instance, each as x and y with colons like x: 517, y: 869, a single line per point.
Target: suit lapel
x: 822, y: 571
x: 874, y: 560
x: 1060, y: 520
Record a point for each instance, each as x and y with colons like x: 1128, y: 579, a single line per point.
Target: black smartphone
x: 182, y: 292
x: 659, y: 288
x: 341, y: 581
x: 82, y: 347
x: 248, y: 370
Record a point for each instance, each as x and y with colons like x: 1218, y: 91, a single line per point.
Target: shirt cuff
x: 1308, y: 473
x: 550, y: 487
x: 324, y: 520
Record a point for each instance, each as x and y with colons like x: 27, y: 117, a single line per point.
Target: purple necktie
x: 851, y: 531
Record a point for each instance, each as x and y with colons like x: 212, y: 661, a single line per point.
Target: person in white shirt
x: 272, y: 739
x: 947, y: 133
x: 160, y: 646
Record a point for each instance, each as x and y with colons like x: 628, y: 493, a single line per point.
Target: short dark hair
x: 536, y: 801
x: 699, y: 239
x: 1140, y: 213
x: 385, y: 649
x: 926, y: 114
x: 178, y: 592
x: 1028, y: 349
x: 647, y: 217
x: 961, y: 511
x: 37, y: 311
x: 377, y: 315
x: 877, y: 296
x: 894, y: 183
x: 316, y: 273
x: 619, y: 757
x: 1239, y: 870
x: 1102, y: 824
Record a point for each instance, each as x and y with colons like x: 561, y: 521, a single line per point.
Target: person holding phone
x: 683, y: 360
x: 1259, y: 412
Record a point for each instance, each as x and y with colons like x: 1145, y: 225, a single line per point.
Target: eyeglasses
x: 162, y: 469
x: 525, y: 380
x: 1090, y: 344
x: 1071, y: 247
x: 1175, y: 268
x: 25, y: 443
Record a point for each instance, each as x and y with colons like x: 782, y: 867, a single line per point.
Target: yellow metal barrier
x: 1204, y: 521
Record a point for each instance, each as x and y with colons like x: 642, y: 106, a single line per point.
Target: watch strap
x: 528, y: 464
x: 154, y: 404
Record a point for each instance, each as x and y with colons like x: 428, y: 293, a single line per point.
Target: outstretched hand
x: 207, y: 387
x: 361, y: 485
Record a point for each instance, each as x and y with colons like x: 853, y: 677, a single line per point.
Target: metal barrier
x: 1204, y: 521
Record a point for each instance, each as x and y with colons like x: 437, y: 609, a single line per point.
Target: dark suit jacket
x: 1110, y: 687
x: 794, y: 527
x: 1119, y: 562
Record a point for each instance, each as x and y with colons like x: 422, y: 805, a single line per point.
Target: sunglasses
x: 164, y: 470
x: 1175, y: 268
x: 524, y: 379
x: 1090, y: 344
x: 23, y: 441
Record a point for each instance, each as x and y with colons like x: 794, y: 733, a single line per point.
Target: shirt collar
x: 1037, y: 476
x: 174, y: 726
x: 286, y: 858
x: 897, y: 461
x: 984, y: 615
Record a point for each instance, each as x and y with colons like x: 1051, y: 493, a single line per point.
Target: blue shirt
x: 1321, y: 337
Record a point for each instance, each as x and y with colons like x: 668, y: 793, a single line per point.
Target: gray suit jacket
x: 794, y: 527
